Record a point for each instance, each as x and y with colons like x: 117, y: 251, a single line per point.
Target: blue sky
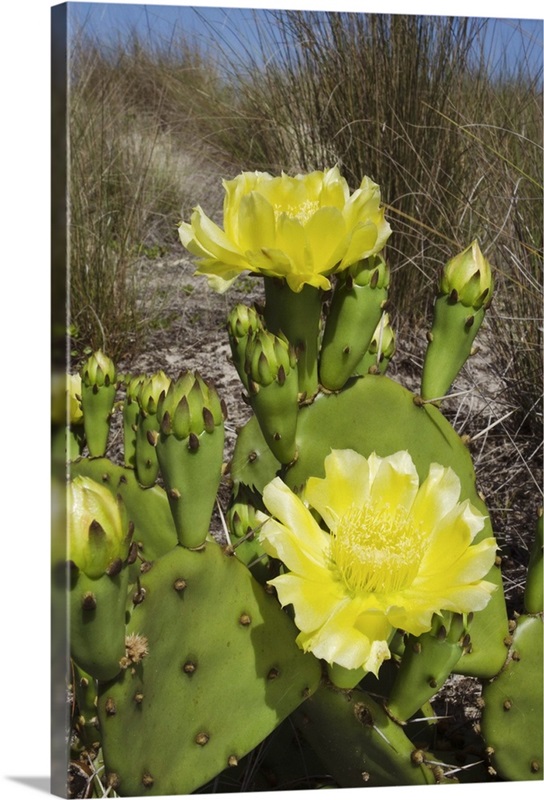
x: 158, y: 23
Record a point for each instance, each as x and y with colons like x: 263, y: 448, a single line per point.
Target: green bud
x: 99, y: 370
x: 66, y: 399
x: 242, y: 321
x: 371, y: 271
x: 133, y: 385
x: 469, y: 278
x: 268, y: 358
x: 150, y: 391
x: 189, y: 405
x: 98, y: 529
x: 386, y: 334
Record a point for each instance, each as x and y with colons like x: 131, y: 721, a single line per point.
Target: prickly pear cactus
x: 181, y: 639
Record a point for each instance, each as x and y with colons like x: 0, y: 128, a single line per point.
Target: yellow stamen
x: 376, y: 550
x: 301, y: 211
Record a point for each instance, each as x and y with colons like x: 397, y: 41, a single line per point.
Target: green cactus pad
x: 358, y: 742
x: 355, y: 312
x: 451, y: 338
x: 191, y: 469
x: 512, y: 715
x: 97, y: 623
x: 147, y: 463
x: 426, y: 664
x: 222, y: 671
x: 253, y: 463
x: 148, y: 509
x: 376, y: 414
x: 298, y: 316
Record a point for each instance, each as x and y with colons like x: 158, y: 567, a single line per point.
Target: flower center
x: 376, y: 550
x: 299, y: 211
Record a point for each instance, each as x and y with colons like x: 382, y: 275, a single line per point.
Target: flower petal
x: 327, y: 238
x: 437, y: 495
x: 256, y: 223
x: 313, y: 600
x: 298, y: 523
x: 341, y: 640
x: 394, y: 481
x: 345, y: 484
x: 450, y: 540
x: 210, y: 237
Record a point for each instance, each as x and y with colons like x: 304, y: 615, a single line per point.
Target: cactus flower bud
x: 468, y: 275
x: 99, y: 370
x: 266, y: 356
x: 380, y: 350
x: 150, y: 391
x: 372, y: 270
x: 99, y: 531
x: 66, y: 399
x: 98, y: 387
x: 243, y: 320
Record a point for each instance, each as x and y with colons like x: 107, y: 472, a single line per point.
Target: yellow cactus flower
x: 300, y: 228
x: 394, y: 552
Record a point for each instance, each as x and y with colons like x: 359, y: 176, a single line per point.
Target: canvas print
x: 296, y: 400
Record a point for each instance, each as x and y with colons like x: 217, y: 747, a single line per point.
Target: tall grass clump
x: 453, y: 138
x: 132, y: 167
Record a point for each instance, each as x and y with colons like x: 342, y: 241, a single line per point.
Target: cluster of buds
x: 151, y: 389
x: 189, y: 447
x: 272, y: 380
x: 241, y: 323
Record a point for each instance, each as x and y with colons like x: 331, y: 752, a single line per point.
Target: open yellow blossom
x: 300, y: 228
x: 390, y: 553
